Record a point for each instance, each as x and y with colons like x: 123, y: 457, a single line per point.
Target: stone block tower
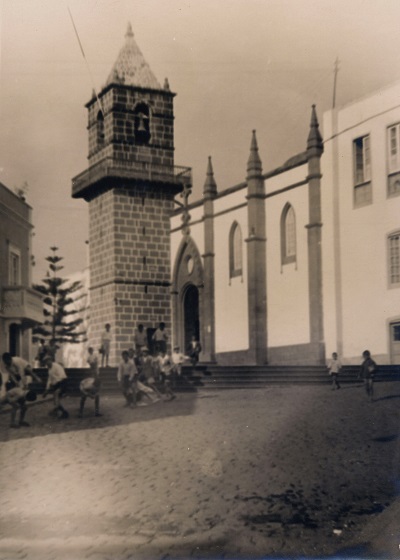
x: 130, y: 186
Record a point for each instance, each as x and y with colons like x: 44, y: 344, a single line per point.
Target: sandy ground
x: 281, y: 471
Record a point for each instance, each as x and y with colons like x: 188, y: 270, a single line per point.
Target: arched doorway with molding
x: 187, y: 287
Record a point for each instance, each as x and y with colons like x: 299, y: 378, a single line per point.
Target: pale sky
x: 236, y: 65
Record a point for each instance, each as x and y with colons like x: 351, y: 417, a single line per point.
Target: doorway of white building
x: 395, y: 342
x: 14, y: 334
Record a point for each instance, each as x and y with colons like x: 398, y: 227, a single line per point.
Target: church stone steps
x: 237, y: 377
x: 210, y: 376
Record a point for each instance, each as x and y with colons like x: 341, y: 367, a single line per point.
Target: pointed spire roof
x: 314, y: 139
x: 130, y: 68
x: 210, y: 186
x: 254, y: 165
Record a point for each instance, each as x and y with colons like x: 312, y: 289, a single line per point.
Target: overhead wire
x: 85, y: 59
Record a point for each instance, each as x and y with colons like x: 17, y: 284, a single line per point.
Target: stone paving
x: 230, y: 474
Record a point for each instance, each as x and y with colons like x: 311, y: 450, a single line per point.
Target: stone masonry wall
x: 102, y: 266
x: 129, y: 262
x: 118, y: 105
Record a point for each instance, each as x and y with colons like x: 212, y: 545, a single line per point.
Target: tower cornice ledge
x: 108, y: 173
x: 138, y: 89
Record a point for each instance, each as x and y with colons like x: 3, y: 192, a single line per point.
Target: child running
x: 334, y: 366
x: 56, y: 384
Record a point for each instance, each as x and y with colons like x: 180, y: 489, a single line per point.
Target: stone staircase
x: 190, y: 380
x: 205, y: 377
x: 244, y: 377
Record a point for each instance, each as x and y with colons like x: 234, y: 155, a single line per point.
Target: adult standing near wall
x: 160, y: 339
x: 105, y: 345
x: 140, y: 339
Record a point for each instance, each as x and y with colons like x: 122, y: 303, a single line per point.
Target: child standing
x: 160, y: 339
x: 194, y: 350
x: 177, y: 359
x: 368, y: 371
x: 334, y: 366
x: 126, y: 376
x: 90, y: 386
x: 148, y: 373
x: 165, y: 367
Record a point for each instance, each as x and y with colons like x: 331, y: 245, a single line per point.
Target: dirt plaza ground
x: 285, y: 471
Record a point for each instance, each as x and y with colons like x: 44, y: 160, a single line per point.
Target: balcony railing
x: 22, y: 304
x: 141, y: 170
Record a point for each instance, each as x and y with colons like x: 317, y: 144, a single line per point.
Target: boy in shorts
x: 368, y: 371
x: 90, y: 388
x: 16, y: 398
x: 56, y: 384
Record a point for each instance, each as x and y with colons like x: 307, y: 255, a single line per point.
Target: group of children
x: 143, y: 379
x: 367, y: 372
x: 16, y: 376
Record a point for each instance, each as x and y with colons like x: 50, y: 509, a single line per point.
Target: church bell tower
x: 130, y: 186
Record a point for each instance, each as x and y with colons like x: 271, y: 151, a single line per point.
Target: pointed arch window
x: 288, y: 235
x: 100, y: 128
x: 235, y: 251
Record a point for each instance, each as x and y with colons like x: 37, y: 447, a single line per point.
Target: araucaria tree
x: 61, y: 306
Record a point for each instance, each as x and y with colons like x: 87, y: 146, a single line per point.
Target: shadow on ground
x: 113, y: 413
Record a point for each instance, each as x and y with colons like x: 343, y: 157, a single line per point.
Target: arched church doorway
x: 191, y: 314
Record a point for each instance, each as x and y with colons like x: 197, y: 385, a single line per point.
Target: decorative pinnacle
x: 254, y: 165
x: 129, y: 32
x: 314, y: 139
x: 210, y: 186
x: 166, y: 84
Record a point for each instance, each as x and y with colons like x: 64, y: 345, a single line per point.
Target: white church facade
x: 283, y: 268
x: 338, y: 291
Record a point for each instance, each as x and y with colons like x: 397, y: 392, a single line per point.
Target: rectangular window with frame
x: 14, y: 266
x: 362, y: 171
x: 393, y: 147
x: 394, y: 259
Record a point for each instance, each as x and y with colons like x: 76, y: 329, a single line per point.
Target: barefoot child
x: 334, y: 366
x: 16, y: 398
x: 126, y: 375
x: 368, y: 371
x: 56, y: 384
x: 90, y: 386
x: 15, y: 372
x: 165, y: 366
